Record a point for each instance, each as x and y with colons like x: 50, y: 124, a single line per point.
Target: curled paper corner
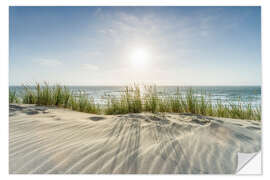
x: 249, y: 163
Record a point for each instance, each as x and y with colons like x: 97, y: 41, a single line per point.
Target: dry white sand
x: 55, y: 140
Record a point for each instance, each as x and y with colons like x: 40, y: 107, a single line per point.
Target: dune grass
x: 57, y: 95
x: 13, y: 97
x: 133, y: 101
x: 129, y: 102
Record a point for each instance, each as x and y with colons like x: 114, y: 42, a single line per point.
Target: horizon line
x: 52, y: 84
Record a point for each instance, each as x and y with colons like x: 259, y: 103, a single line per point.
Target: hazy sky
x: 119, y: 45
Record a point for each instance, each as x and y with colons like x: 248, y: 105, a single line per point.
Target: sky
x: 123, y: 45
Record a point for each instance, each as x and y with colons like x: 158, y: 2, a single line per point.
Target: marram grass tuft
x: 133, y: 101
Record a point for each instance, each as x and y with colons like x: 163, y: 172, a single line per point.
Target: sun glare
x: 139, y: 57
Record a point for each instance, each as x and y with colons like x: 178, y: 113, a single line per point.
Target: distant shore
x: 45, y: 139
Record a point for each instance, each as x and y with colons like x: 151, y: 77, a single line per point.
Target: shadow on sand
x: 29, y: 110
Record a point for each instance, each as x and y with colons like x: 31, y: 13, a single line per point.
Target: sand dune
x: 55, y: 140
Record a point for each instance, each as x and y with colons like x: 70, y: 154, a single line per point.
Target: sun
x: 139, y: 57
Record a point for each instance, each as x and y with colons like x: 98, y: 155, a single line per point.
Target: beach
x: 51, y: 140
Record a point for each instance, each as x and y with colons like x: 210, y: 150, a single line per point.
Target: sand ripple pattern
x: 46, y: 140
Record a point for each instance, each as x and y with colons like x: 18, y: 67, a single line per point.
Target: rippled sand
x: 54, y: 140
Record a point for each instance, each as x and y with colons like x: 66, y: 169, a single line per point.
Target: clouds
x: 185, y: 37
x: 127, y: 26
x: 49, y: 62
x: 180, y: 41
x: 164, y: 33
x: 98, y: 12
x: 89, y: 67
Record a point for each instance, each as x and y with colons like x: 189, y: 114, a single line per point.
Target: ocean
x: 248, y: 94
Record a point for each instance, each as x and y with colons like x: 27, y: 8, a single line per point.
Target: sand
x: 60, y: 141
